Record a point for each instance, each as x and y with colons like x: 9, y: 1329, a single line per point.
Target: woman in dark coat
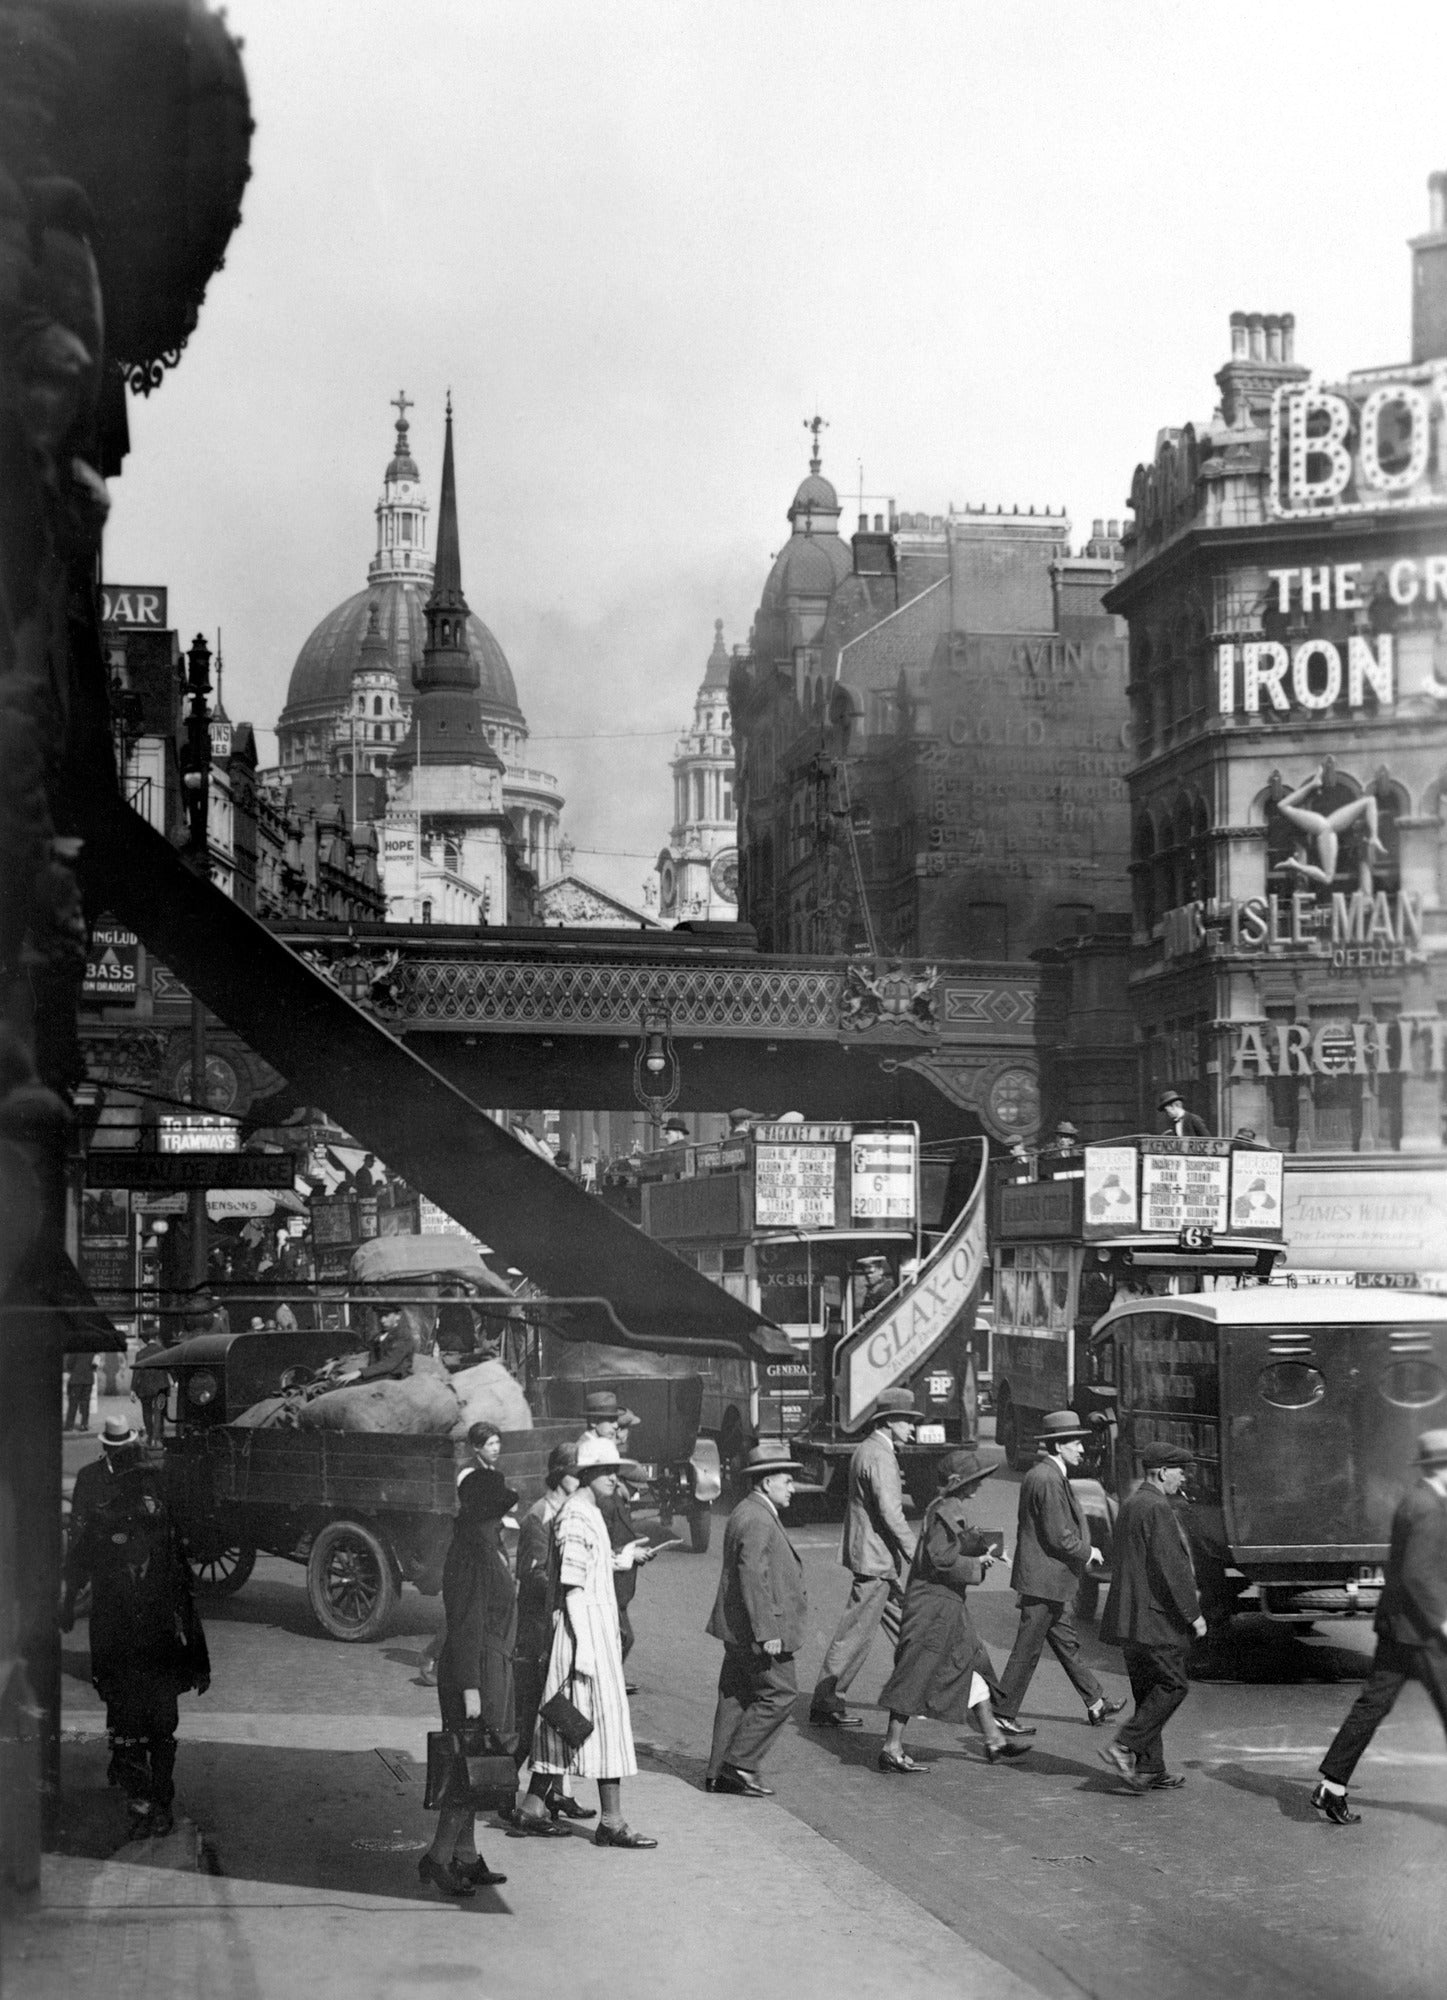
x: 941, y: 1667
x: 474, y: 1669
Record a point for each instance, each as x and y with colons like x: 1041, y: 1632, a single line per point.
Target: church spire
x: 446, y: 657
x: 447, y: 572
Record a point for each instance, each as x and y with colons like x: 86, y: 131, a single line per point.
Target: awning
x: 568, y: 1242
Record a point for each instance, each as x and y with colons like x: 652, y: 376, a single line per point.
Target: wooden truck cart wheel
x: 350, y: 1581
x: 700, y: 1527
x: 223, y: 1570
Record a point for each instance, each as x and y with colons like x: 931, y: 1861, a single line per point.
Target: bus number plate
x: 929, y: 1433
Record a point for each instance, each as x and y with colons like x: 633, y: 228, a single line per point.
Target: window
x: 406, y: 527
x: 376, y: 704
x: 728, y: 798
x: 1291, y: 1385
x: 426, y: 911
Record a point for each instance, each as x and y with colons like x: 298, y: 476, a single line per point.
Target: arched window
x: 376, y: 704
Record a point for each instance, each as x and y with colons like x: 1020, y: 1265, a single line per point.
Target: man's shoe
x: 740, y: 1784
x: 1333, y: 1806
x: 621, y: 1836
x: 1008, y: 1726
x: 1102, y: 1710
x: 834, y: 1718
x: 630, y: 1687
x: 1123, y: 1764
x: 1166, y: 1781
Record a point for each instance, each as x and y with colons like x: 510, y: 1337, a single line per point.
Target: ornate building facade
x: 1286, y: 592
x: 350, y: 709
x: 698, y: 871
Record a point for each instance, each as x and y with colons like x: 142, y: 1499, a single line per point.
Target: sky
x: 995, y: 245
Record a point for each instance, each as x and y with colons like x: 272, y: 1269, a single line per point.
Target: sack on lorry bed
x: 416, y: 1406
x: 488, y: 1393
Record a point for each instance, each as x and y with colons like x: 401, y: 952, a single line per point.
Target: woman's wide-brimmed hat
x: 597, y: 1454
x: 1060, y: 1426
x: 771, y: 1456
x: 963, y: 1468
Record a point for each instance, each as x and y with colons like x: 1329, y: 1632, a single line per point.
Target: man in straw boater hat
x: 1411, y: 1627
x: 877, y: 1547
x: 1151, y: 1613
x: 759, y: 1614
x: 1053, y: 1551
x: 146, y: 1642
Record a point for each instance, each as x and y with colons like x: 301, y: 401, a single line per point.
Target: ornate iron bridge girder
x: 964, y: 1032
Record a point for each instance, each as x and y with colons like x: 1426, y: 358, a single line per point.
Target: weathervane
x: 816, y: 423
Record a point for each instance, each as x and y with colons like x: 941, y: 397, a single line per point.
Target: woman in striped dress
x: 587, y: 1657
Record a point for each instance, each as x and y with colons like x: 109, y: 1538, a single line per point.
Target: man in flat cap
x: 1151, y: 1614
x: 1053, y: 1550
x: 1411, y: 1627
x: 759, y: 1613
x: 877, y: 1548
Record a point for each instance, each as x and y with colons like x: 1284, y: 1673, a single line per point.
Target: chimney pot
x: 879, y: 524
x: 1257, y: 337
x: 1437, y: 203
x: 1238, y: 336
x: 1114, y: 531
x: 1097, y: 530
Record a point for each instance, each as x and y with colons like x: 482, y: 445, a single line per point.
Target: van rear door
x: 1319, y: 1434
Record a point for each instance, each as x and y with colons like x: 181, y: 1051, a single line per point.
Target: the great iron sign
x: 1369, y: 444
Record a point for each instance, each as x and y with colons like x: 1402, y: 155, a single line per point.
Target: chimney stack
x: 1429, y: 277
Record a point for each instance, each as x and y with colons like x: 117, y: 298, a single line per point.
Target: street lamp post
x: 196, y: 779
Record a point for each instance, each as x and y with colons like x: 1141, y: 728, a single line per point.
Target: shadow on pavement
x: 1292, y: 1796
x: 1256, y: 1651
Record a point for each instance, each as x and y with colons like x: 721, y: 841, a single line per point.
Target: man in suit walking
x: 759, y: 1614
x: 1053, y: 1550
x: 1411, y: 1627
x: 877, y: 1548
x: 1151, y: 1613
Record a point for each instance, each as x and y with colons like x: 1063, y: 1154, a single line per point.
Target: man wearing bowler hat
x: 1151, y: 1613
x: 1053, y: 1550
x: 759, y: 1614
x: 1411, y: 1627
x: 877, y: 1547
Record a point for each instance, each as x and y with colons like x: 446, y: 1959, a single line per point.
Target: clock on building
x: 724, y: 874
x: 223, y: 1086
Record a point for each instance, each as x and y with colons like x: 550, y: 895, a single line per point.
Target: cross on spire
x: 816, y: 423
x: 402, y: 403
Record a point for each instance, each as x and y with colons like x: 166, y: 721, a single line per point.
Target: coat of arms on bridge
x: 891, y: 995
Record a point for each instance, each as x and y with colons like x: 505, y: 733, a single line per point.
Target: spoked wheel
x: 350, y: 1581
x: 222, y: 1571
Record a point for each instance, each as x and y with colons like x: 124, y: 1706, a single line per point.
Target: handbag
x: 464, y: 1768
x: 563, y: 1715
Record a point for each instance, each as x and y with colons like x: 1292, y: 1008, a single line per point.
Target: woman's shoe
x: 444, y: 1877
x: 478, y: 1873
x: 538, y: 1826
x: 621, y: 1836
x: 569, y: 1808
x: 903, y: 1764
x: 1006, y: 1747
